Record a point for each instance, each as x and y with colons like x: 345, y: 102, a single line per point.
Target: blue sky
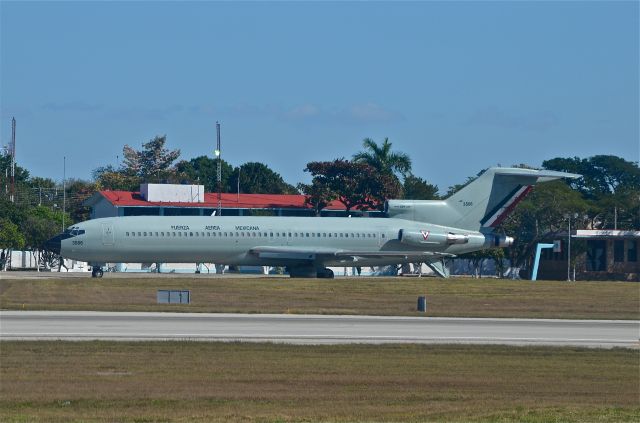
x: 459, y: 86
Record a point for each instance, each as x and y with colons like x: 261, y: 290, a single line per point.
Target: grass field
x: 169, y: 381
x: 372, y: 296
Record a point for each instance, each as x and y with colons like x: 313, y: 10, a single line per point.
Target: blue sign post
x: 534, y: 274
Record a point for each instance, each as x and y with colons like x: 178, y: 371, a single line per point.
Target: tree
x: 257, y: 178
x: 10, y: 236
x: 21, y: 174
x: 477, y: 259
x: 204, y: 170
x: 107, y: 177
x: 356, y: 185
x: 38, y: 182
x: 542, y: 216
x: 78, y: 191
x: 601, y: 175
x: 153, y: 161
x: 610, y: 184
x: 41, y: 224
x: 381, y: 158
x: 457, y: 187
x: 416, y: 188
x: 319, y: 195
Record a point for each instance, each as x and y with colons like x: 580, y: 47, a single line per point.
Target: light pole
x: 568, y: 216
x: 64, y: 189
x: 218, y: 154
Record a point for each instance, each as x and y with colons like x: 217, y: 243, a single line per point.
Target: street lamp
x: 568, y: 217
x: 218, y: 154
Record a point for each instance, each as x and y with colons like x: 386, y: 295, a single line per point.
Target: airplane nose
x: 54, y: 244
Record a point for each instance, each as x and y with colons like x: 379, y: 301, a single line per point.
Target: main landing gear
x: 310, y: 272
x: 325, y: 273
x: 96, y: 272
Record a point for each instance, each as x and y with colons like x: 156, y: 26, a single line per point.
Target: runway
x: 314, y: 329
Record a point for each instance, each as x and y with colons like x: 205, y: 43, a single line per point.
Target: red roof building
x: 132, y: 203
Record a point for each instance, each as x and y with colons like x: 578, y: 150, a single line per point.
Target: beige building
x: 600, y: 255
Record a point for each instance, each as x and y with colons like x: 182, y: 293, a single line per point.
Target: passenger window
x: 180, y: 234
x: 271, y: 234
x: 382, y: 235
x: 307, y: 234
x: 253, y: 234
x: 313, y: 235
x: 127, y: 233
x: 318, y: 234
x: 324, y: 234
x: 289, y: 234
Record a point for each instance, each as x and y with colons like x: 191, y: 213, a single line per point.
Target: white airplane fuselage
x: 232, y: 240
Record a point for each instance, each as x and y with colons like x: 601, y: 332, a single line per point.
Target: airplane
x: 414, y: 231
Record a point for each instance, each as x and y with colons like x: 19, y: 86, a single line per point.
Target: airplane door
x: 107, y: 234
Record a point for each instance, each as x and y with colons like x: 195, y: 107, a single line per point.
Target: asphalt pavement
x: 314, y: 329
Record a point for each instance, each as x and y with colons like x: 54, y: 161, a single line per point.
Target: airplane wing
x: 309, y: 254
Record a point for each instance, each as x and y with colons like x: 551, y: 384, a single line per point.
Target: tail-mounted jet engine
x: 499, y: 240
x: 431, y: 238
x: 426, y: 238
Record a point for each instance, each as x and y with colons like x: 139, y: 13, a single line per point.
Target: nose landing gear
x: 96, y: 272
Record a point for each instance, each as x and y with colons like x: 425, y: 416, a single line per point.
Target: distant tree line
x: 608, y: 195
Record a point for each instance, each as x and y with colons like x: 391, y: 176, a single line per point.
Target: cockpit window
x: 74, y: 231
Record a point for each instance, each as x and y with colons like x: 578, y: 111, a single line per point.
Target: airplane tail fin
x: 481, y: 205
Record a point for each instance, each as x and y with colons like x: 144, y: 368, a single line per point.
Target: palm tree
x: 382, y: 159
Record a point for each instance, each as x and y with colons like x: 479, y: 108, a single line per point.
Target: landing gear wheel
x: 97, y: 273
x: 325, y: 273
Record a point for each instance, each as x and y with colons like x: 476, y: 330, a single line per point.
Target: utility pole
x: 218, y: 153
